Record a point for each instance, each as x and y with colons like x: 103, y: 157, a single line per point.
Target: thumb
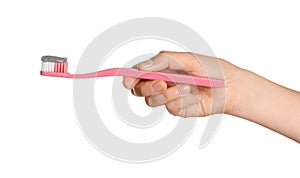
x: 167, y: 60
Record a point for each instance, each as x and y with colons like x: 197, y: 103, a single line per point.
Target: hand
x: 182, y: 99
x: 245, y: 94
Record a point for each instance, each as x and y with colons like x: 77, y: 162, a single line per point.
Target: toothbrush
x: 58, y: 67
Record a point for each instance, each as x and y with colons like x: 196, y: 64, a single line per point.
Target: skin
x: 245, y: 94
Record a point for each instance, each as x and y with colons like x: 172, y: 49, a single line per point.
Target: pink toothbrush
x: 57, y: 67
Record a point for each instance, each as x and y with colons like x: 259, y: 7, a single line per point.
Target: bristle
x: 59, y: 67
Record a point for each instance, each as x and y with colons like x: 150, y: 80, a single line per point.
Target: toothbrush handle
x: 129, y: 72
x: 168, y: 77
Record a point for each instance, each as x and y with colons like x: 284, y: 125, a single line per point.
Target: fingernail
x: 128, y: 82
x: 184, y: 89
x: 157, y: 86
x: 145, y: 64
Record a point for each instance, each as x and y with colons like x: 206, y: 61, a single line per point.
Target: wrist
x: 234, y: 77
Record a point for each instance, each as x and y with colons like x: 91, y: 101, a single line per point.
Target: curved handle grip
x: 171, y: 77
x: 128, y: 72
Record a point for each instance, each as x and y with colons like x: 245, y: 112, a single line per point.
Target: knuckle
x: 137, y: 91
x: 171, y: 107
x: 142, y: 88
x: 176, y: 104
x: 156, y: 100
x: 189, y: 53
x: 163, y: 52
x: 128, y: 82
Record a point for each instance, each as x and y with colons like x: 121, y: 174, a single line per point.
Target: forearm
x: 266, y: 103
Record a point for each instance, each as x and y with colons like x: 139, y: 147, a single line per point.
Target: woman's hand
x: 182, y: 99
x: 245, y: 94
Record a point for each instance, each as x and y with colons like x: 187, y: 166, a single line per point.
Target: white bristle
x: 48, y: 66
x: 44, y: 66
x: 52, y: 67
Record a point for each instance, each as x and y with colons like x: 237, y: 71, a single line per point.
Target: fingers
x: 189, y: 106
x: 173, y: 61
x: 183, y: 102
x: 147, y: 88
x: 170, y: 94
x: 180, y: 100
x: 130, y: 82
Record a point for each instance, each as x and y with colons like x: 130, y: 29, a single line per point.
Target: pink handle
x: 128, y: 72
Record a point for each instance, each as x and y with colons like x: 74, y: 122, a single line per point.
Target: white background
x: 39, y: 134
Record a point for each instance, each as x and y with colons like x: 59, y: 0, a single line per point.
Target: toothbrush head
x: 53, y: 64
